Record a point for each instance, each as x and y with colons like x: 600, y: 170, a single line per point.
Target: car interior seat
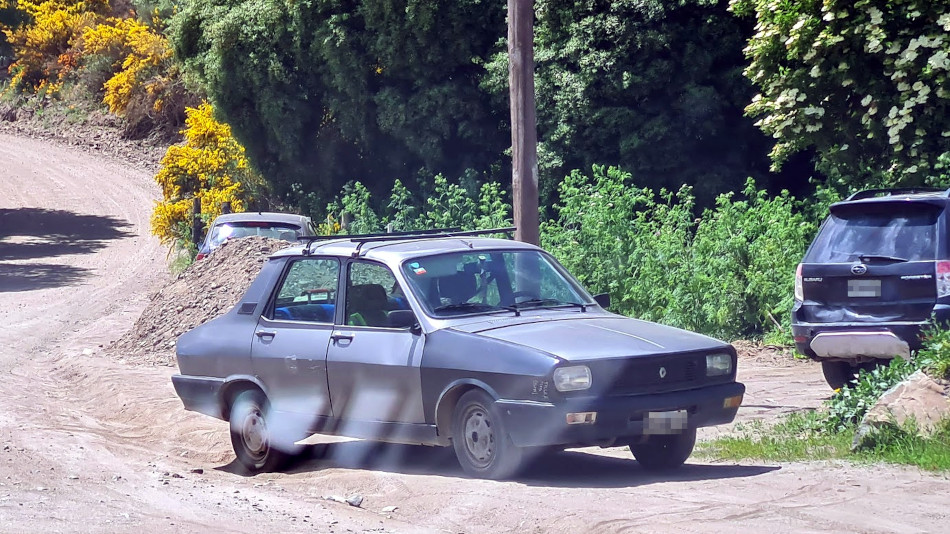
x: 458, y: 288
x: 366, y: 305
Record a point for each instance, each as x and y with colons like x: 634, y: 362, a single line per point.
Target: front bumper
x: 532, y: 424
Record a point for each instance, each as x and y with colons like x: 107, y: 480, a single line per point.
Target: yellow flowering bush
x: 211, y: 166
x: 140, y: 61
x: 42, y: 47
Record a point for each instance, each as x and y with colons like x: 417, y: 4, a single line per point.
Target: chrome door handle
x: 265, y: 333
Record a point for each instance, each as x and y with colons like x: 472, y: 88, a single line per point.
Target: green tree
x: 322, y: 92
x: 863, y: 83
x: 652, y: 86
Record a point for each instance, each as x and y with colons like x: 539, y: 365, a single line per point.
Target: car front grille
x: 652, y: 374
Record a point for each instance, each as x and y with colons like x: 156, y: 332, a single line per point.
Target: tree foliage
x: 865, y: 83
x: 325, y: 91
x: 652, y: 86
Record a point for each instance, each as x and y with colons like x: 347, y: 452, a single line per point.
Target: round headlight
x: 573, y: 378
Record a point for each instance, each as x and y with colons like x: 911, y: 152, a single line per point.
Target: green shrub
x: 848, y: 405
x: 450, y: 205
x: 934, y: 356
x: 728, y: 274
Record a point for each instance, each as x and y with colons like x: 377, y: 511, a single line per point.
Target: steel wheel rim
x: 254, y: 434
x: 479, y: 437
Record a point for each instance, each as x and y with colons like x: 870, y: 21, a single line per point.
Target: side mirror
x: 402, y: 319
x: 602, y: 300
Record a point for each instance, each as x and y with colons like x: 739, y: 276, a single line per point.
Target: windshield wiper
x: 538, y: 303
x: 872, y: 257
x: 475, y: 306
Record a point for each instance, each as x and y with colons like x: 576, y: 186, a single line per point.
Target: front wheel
x: 480, y: 439
x: 662, y: 452
x: 250, y: 437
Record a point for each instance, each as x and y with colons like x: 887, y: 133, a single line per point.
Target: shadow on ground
x: 36, y: 233
x: 15, y: 277
x: 568, y: 469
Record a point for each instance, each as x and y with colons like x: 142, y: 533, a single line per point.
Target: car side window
x: 372, y: 292
x: 308, y: 292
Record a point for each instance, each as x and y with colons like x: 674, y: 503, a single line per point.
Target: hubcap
x: 479, y: 437
x: 254, y: 433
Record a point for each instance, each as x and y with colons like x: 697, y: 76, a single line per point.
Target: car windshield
x: 881, y: 234
x: 232, y: 230
x: 491, y: 281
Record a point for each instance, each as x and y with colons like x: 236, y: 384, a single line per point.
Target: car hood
x: 583, y: 338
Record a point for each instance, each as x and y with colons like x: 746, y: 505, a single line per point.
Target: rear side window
x: 308, y: 292
x: 907, y: 233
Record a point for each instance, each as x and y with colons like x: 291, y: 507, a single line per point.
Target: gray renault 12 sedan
x: 451, y: 339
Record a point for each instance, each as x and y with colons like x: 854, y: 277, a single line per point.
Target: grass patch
x: 905, y: 447
x: 802, y: 436
x: 796, y: 438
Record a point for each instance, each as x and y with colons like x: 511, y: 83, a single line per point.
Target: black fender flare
x: 450, y: 394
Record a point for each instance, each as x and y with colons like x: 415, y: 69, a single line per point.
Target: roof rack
x: 361, y: 239
x: 309, y: 239
x: 870, y: 193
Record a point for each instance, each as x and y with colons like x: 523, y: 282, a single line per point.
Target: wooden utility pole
x: 524, y: 132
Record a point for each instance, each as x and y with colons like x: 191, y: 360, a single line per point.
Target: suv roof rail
x: 360, y: 239
x: 870, y: 193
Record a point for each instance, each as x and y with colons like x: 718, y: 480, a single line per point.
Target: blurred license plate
x: 864, y: 288
x: 671, y: 422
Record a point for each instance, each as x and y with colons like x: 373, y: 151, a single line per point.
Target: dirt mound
x: 774, y: 355
x: 205, y: 290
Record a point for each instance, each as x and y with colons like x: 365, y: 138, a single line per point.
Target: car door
x: 289, y: 349
x: 373, y: 367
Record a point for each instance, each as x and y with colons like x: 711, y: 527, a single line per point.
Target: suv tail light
x: 799, y: 289
x: 943, y: 279
x: 200, y: 256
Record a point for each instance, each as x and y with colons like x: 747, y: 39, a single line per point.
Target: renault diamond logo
x: 859, y: 269
x: 662, y: 372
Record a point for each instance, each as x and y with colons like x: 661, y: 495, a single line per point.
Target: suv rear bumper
x: 859, y: 342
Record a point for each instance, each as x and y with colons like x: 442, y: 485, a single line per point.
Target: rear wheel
x: 662, y: 452
x: 480, y: 439
x: 250, y: 437
x: 839, y: 374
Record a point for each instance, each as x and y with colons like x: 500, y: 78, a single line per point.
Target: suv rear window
x: 907, y: 233
x: 232, y: 230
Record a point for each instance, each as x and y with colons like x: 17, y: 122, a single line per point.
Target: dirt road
x: 89, y: 443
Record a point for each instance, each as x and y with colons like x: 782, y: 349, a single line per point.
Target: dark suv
x: 877, y: 272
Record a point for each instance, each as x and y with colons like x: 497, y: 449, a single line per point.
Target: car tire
x: 662, y: 452
x: 481, y: 441
x: 249, y: 434
x: 839, y: 374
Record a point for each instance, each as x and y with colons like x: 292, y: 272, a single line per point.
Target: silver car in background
x: 286, y: 226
